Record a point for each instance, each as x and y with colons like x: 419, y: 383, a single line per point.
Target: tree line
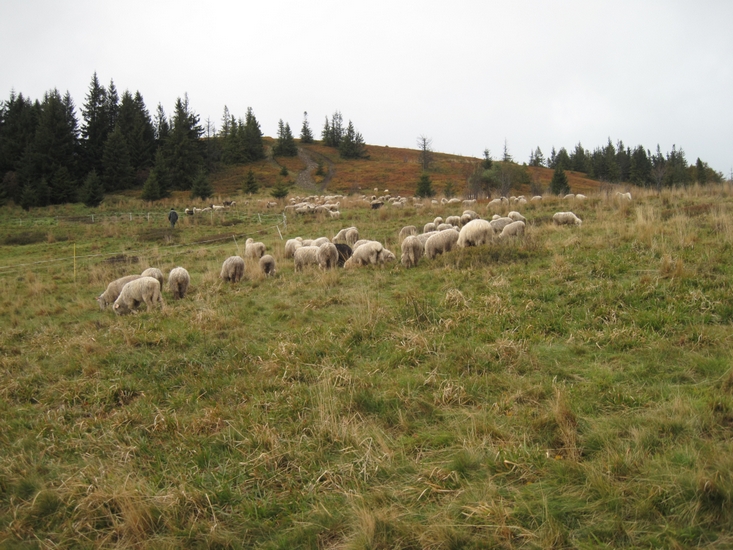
x: 49, y: 156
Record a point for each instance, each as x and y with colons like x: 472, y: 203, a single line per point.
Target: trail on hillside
x: 305, y: 177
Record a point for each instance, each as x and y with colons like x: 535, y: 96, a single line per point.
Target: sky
x: 468, y: 74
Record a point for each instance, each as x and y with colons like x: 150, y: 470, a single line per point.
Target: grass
x: 570, y: 389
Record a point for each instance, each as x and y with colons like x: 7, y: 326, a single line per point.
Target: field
x: 569, y: 389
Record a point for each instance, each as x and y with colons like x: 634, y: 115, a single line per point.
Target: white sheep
x: 623, y: 196
x: 516, y: 216
x: 232, y: 270
x: 321, y: 241
x: 305, y: 255
x: 514, y: 229
x: 348, y: 235
x: 469, y: 215
x: 134, y: 293
x: 412, y: 251
x: 536, y: 198
x: 406, y: 231
x: 441, y: 242
x: 437, y: 221
x: 444, y: 226
x: 387, y: 256
x: 267, y: 265
x: 430, y: 226
x: 423, y: 237
x: 113, y: 290
x: 178, y: 281
x: 455, y: 221
x: 499, y: 223
x: 566, y: 218
x: 469, y: 202
x: 291, y: 245
x: 328, y: 256
x: 155, y: 273
x: 580, y: 197
x: 569, y: 196
x: 367, y: 253
x: 253, y: 250
x: 475, y: 233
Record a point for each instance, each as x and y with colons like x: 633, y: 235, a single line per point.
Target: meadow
x: 569, y: 389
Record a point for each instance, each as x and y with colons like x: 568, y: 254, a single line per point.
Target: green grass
x: 571, y: 389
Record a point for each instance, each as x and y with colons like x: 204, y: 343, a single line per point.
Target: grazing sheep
x: 253, y: 250
x: 536, y: 198
x: 348, y: 235
x: 387, y: 256
x: 475, y: 233
x: 499, y: 223
x: 134, y: 293
x: 360, y: 242
x: 178, y: 281
x: 569, y: 196
x: 218, y: 207
x: 291, y: 245
x: 580, y: 196
x: 366, y: 254
x: 423, y: 237
x: 328, y: 256
x: 155, y: 273
x: 430, y: 226
x: 516, y: 216
x: 306, y: 255
x: 412, y: 251
x: 626, y: 196
x: 376, y: 204
x: 232, y: 270
x: 514, y: 229
x: 344, y: 251
x: 335, y: 215
x: 444, y: 226
x: 566, y: 218
x: 267, y: 265
x: 521, y: 201
x: 113, y: 291
x: 437, y: 221
x: 469, y: 202
x: 406, y: 231
x: 454, y: 221
x: 320, y: 241
x: 470, y: 214
x: 441, y: 242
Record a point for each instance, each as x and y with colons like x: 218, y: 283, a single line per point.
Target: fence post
x: 278, y: 230
x: 92, y: 218
x: 130, y: 216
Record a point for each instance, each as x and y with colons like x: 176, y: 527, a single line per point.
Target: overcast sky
x: 467, y: 74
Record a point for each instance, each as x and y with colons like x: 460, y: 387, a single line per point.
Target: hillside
x: 387, y: 167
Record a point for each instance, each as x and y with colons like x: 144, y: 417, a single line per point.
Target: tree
x: 63, y: 188
x: 536, y: 158
x: 92, y: 192
x: 152, y: 189
x: 333, y: 132
x: 640, y: 167
x: 96, y: 125
x: 488, y: 161
x: 306, y: 136
x: 162, y: 126
x: 559, y: 184
x: 352, y: 144
x: 183, y: 148
x: 577, y: 159
x: 700, y: 172
x: 285, y: 145
x: 137, y: 128
x: 254, y: 148
x: 18, y: 122
x: 659, y: 169
x: 281, y: 190
x: 117, y: 172
x: 424, y: 187
x: 250, y: 186
x: 506, y: 157
x: 201, y: 186
x: 449, y: 190
x: 424, y: 145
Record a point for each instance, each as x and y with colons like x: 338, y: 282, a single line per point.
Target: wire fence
x: 267, y: 224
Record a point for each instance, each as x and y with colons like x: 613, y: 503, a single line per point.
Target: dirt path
x: 305, y: 177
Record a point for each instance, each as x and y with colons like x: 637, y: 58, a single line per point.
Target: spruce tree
x: 281, y: 190
x: 183, y: 148
x: 424, y: 187
x: 559, y: 184
x: 450, y: 189
x: 252, y: 138
x: 352, y: 144
x: 306, y: 136
x: 117, y: 172
x: 250, y: 186
x: 63, y: 187
x: 151, y: 189
x: 201, y: 186
x: 285, y: 145
x: 18, y: 121
x: 488, y: 161
x: 700, y: 172
x: 92, y: 192
x: 96, y: 125
x: 28, y: 197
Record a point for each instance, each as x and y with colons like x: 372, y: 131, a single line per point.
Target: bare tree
x: 425, y: 145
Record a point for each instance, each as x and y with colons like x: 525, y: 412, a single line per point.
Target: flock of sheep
x: 346, y: 249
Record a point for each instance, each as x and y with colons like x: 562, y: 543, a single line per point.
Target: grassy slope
x: 570, y: 389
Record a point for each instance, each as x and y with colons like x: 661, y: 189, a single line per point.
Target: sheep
x: 566, y: 218
x: 514, y: 229
x: 521, y: 201
x: 142, y: 289
x: 516, y: 216
x: 423, y: 237
x: 437, y: 221
x: 499, y: 223
x: 454, y: 221
x: 468, y: 215
x: 536, y: 198
x: 291, y: 245
x: 469, y: 202
x: 475, y: 233
x: 441, y: 242
x: 113, y: 291
x: 367, y: 254
x: 430, y: 226
x: 580, y: 196
x: 387, y: 256
x: 328, y: 256
x: 306, y: 255
x: 253, y: 250
x: 155, y: 273
x: 569, y: 196
x: 267, y: 265
x: 360, y: 242
x: 454, y: 200
x: 217, y: 207
x: 348, y: 235
x: 444, y: 226
x: 344, y: 251
x: 178, y: 281
x: 376, y: 204
x: 232, y: 270
x: 406, y: 231
x: 412, y: 251
x: 335, y: 215
x: 320, y: 241
x: 622, y: 196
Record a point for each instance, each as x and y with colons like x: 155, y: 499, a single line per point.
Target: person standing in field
x: 173, y: 217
